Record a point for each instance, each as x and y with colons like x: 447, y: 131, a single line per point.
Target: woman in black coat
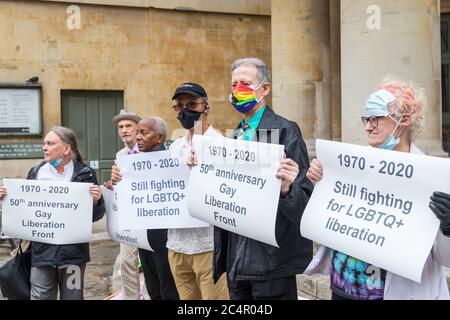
x: 61, y: 266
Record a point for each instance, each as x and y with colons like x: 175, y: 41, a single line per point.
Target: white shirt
x: 190, y: 240
x: 48, y: 172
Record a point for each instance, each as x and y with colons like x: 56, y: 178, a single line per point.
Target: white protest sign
x: 152, y: 194
x: 372, y: 204
x: 53, y: 212
x: 137, y: 238
x: 234, y: 186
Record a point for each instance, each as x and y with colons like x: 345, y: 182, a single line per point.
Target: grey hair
x: 68, y: 137
x: 261, y: 67
x: 161, y: 125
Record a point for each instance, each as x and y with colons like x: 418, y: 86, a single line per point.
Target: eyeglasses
x: 372, y: 120
x: 191, y: 105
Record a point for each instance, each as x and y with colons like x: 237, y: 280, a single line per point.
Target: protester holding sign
x: 393, y: 116
x: 257, y: 270
x: 126, y: 124
x: 53, y: 265
x: 191, y: 249
x: 151, y: 133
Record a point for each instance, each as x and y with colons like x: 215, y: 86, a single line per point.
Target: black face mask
x: 188, y: 118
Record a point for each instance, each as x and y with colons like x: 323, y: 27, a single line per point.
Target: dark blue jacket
x: 157, y: 238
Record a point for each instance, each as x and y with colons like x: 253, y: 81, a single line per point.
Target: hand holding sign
x: 2, y: 192
x: 440, y: 204
x: 116, y: 176
x: 95, y: 192
x: 287, y: 172
x: 315, y: 171
x: 191, y: 161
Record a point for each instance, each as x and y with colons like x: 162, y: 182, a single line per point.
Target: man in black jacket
x: 257, y: 270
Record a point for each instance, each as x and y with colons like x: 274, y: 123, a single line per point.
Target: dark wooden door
x: 89, y: 114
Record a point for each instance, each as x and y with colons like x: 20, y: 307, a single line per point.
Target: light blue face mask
x: 377, y: 105
x: 57, y: 161
x: 390, y: 143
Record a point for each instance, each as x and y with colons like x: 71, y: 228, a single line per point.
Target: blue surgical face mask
x: 391, y: 142
x: 57, y: 161
x: 377, y: 103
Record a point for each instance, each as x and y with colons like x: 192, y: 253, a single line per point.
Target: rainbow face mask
x: 243, y: 98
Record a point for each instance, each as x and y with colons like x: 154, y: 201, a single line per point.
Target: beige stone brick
x: 7, y: 43
x: 26, y: 35
x: 145, y: 52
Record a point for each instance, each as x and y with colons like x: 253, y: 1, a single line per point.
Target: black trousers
x: 335, y: 296
x: 158, y: 277
x: 277, y: 289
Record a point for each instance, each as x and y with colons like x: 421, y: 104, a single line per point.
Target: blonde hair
x: 411, y: 100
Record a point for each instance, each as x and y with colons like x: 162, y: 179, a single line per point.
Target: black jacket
x: 247, y: 259
x: 45, y: 254
x: 157, y: 238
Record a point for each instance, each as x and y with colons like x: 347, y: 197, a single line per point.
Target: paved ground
x: 99, y: 272
x: 99, y: 281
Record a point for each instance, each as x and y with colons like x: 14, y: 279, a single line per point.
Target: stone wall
x: 391, y: 37
x: 145, y: 52
x: 259, y: 7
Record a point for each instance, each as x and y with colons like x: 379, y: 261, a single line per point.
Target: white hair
x: 261, y: 68
x: 161, y: 125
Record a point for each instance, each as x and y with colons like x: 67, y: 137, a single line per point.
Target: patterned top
x: 190, y: 240
x: 133, y: 150
x: 355, y: 279
x: 248, y: 129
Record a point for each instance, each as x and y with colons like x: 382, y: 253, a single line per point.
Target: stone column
x: 335, y: 44
x: 301, y: 65
x: 384, y: 37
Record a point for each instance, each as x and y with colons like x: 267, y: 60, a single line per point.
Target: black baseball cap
x: 192, y: 89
